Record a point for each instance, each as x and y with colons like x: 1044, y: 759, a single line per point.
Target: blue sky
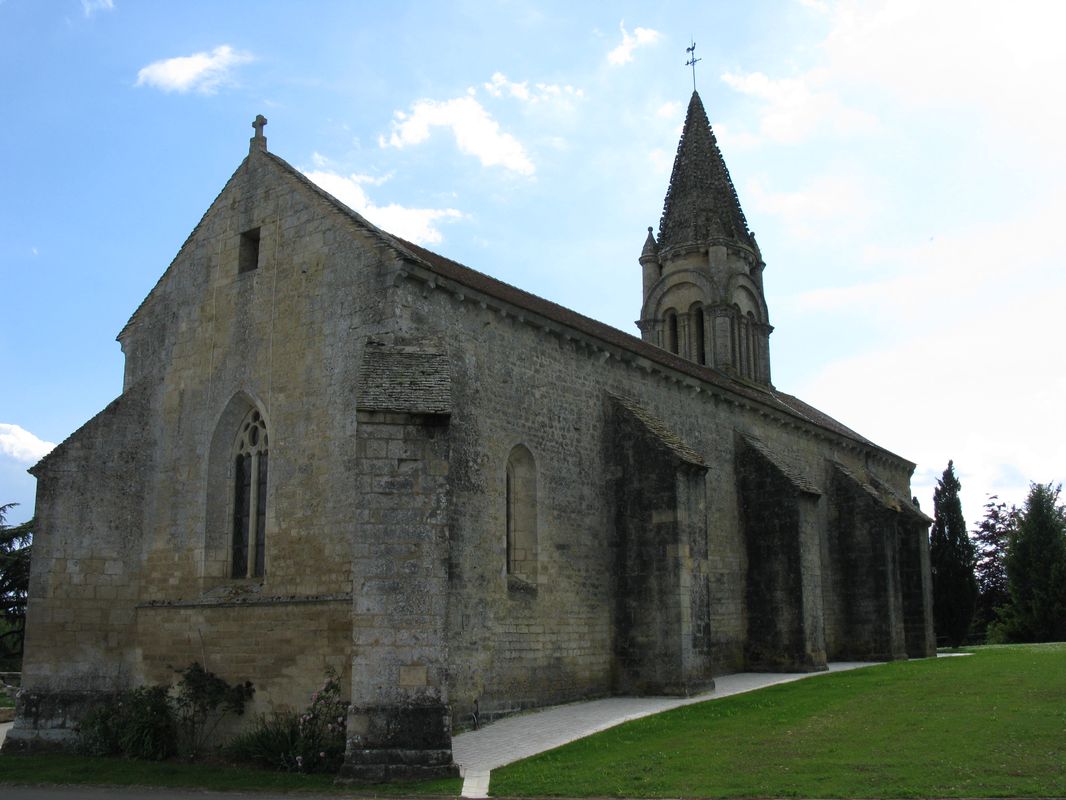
x: 901, y: 163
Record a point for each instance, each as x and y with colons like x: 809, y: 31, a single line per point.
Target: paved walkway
x: 479, y: 752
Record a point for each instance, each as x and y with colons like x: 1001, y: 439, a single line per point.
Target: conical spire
x: 701, y: 203
x: 650, y: 247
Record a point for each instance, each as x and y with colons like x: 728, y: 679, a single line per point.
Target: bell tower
x: 703, y: 289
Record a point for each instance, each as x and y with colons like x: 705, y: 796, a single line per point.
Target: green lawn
x: 64, y: 769
x: 988, y: 725
x: 992, y: 724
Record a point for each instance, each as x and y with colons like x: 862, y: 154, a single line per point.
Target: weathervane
x: 692, y: 62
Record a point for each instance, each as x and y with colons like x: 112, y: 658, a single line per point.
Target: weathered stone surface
x: 473, y: 501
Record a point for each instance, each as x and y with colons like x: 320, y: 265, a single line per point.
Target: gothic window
x: 699, y: 348
x: 250, y: 460
x: 671, y: 331
x: 521, y: 499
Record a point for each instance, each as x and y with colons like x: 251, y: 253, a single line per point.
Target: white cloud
x: 977, y: 391
x: 641, y: 37
x: 661, y: 161
x: 998, y: 60
x: 818, y: 6
x: 795, y: 108
x: 837, y: 205
x: 18, y: 443
x: 971, y: 365
x: 670, y: 110
x: 418, y: 225
x: 476, y: 132
x: 90, y: 7
x: 200, y: 72
x: 499, y: 86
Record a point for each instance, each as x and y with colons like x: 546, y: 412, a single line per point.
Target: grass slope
x: 992, y: 724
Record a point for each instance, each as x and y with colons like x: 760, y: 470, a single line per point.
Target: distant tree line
x: 1006, y: 580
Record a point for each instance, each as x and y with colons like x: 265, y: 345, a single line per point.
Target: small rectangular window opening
x: 249, y: 253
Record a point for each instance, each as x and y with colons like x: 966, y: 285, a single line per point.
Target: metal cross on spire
x: 692, y: 62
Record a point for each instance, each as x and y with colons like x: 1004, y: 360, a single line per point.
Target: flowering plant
x: 322, y: 729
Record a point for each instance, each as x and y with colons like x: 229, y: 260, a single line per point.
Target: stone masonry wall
x: 84, y: 575
x: 399, y: 726
x: 784, y: 632
x: 864, y: 549
x: 145, y: 513
x: 284, y: 338
x: 520, y: 379
x: 661, y: 642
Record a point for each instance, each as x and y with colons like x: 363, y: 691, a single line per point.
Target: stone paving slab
x: 513, y: 738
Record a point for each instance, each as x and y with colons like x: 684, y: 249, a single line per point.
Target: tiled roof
x: 660, y: 431
x: 405, y: 379
x: 784, y: 465
x: 883, y: 494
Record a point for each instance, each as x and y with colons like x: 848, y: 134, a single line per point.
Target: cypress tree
x: 951, y: 559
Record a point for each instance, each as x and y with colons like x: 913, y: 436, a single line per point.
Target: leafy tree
x: 14, y: 585
x: 951, y: 557
x: 1036, y: 570
x: 991, y: 539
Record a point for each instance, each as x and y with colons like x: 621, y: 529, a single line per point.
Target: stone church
x: 334, y: 448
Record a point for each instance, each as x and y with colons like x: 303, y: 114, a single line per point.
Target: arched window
x: 699, y: 349
x: 521, y: 493
x: 250, y: 460
x: 671, y: 331
x: 753, y: 348
x: 734, y: 336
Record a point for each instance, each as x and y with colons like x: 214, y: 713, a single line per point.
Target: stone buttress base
x: 394, y: 743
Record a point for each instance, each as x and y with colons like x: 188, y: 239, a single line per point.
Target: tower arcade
x: 703, y: 288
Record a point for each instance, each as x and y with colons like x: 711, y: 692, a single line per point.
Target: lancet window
x: 250, y: 463
x: 521, y: 494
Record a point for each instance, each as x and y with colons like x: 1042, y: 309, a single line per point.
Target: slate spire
x: 701, y: 204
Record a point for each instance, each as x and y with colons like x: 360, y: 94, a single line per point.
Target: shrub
x: 202, y: 701
x: 146, y: 722
x: 140, y: 724
x: 313, y: 741
x: 272, y: 742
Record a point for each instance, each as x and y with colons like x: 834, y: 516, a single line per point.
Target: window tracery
x: 251, y: 461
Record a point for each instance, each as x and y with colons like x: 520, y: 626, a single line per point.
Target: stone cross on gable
x: 258, y: 141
